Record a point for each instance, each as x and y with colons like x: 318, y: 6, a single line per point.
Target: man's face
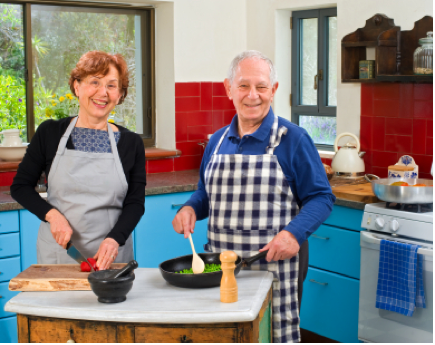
x: 251, y: 90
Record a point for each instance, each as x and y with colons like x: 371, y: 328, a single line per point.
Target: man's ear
x: 227, y: 85
x: 274, y: 88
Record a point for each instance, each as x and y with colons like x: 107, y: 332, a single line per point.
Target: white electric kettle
x: 11, y: 137
x: 348, y: 160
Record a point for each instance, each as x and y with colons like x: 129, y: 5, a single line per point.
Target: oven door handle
x: 371, y: 238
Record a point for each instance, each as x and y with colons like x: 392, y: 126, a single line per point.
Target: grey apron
x: 89, y: 190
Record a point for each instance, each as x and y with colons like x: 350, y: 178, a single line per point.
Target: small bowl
x: 110, y: 290
x: 13, y: 153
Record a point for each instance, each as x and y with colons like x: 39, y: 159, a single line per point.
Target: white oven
x: 378, y: 325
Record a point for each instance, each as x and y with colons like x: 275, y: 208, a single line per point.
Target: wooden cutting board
x: 361, y: 193
x: 53, y: 278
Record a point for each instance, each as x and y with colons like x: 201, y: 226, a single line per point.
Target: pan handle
x: 368, y: 177
x: 249, y: 261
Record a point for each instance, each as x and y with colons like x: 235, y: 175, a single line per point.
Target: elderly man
x: 263, y: 187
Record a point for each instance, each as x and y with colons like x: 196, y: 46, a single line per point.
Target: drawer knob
x: 320, y: 238
x: 70, y: 341
x: 314, y: 281
x: 185, y: 339
x: 1, y: 296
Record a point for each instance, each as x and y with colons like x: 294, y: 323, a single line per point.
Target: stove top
x: 397, y: 222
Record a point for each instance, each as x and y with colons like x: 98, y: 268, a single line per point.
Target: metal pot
x: 406, y: 195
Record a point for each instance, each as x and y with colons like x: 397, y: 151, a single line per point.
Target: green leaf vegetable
x: 208, y: 269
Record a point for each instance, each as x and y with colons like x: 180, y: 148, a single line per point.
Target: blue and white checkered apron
x: 250, y: 202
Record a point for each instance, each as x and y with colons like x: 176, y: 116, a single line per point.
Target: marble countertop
x: 181, y: 181
x: 151, y: 300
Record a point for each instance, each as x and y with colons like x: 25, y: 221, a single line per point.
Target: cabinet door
x: 9, y: 221
x: 9, y: 268
x: 335, y: 250
x: 8, y: 330
x: 156, y: 240
x: 5, y: 295
x: 29, y: 226
x: 345, y: 217
x: 330, y: 305
x: 9, y: 244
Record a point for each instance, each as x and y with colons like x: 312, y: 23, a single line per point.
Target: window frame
x: 321, y: 109
x: 147, y: 14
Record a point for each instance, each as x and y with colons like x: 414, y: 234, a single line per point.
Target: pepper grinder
x: 229, y: 291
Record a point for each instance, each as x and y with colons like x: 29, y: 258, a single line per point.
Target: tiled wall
x: 201, y: 108
x: 396, y: 119
x: 6, y: 178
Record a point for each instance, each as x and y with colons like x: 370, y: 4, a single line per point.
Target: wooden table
x: 154, y: 312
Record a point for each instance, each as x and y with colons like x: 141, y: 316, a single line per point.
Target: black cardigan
x: 40, y: 155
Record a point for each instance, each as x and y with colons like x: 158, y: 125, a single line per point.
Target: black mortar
x: 110, y: 290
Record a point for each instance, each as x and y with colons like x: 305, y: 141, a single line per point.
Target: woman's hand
x: 59, y: 227
x: 107, y: 253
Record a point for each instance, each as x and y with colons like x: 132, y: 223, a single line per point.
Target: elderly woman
x: 95, y: 171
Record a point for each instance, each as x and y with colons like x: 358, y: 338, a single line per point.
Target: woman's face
x: 98, y: 94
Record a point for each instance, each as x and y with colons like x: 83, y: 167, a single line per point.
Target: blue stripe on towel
x: 397, y: 278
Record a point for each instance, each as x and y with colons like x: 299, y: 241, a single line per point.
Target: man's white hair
x: 251, y: 54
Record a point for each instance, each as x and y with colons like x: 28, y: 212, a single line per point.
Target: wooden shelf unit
x: 394, y: 50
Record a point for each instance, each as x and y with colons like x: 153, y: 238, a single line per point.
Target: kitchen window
x: 41, y: 43
x: 314, y: 74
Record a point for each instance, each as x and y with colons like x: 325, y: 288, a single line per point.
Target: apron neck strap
x: 220, y: 141
x: 64, y: 139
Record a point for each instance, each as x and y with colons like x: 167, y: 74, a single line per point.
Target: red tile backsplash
x: 200, y: 109
x: 6, y: 178
x: 397, y: 119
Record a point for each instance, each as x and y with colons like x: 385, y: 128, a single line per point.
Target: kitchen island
x: 154, y: 311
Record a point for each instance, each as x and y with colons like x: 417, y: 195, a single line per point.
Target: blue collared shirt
x: 300, y: 163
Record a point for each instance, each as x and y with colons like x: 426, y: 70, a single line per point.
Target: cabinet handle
x: 185, y: 339
x: 315, y: 82
x: 177, y: 205
x: 313, y: 281
x: 70, y: 341
x: 320, y: 238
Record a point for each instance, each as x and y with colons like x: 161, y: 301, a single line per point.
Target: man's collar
x: 260, y: 134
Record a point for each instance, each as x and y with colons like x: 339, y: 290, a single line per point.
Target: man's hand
x: 107, y: 253
x: 59, y: 227
x: 184, y: 221
x: 283, y: 246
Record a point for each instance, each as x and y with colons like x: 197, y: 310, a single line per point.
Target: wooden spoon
x: 197, y: 263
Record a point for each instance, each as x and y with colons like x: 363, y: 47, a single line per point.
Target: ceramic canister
x: 405, y: 168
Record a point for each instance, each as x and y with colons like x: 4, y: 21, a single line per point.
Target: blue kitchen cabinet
x: 331, y: 290
x: 29, y: 226
x: 9, y: 268
x: 155, y: 238
x: 8, y: 330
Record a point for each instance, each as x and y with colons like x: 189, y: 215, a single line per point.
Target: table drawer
x: 9, y: 244
x: 9, y: 268
x: 335, y: 250
x: 9, y: 221
x: 195, y: 334
x: 330, y: 305
x: 6, y: 295
x: 345, y: 217
x: 8, y: 330
x: 46, y: 330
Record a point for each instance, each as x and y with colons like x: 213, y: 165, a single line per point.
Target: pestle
x: 125, y: 270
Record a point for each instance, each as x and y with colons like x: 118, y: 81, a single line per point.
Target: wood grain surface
x: 360, y: 192
x: 53, y: 278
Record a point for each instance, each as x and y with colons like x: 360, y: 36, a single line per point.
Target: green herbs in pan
x: 208, y: 269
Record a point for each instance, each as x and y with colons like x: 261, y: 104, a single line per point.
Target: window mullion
x: 29, y: 68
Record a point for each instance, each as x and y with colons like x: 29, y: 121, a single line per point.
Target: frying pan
x: 201, y: 280
x: 406, y: 195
